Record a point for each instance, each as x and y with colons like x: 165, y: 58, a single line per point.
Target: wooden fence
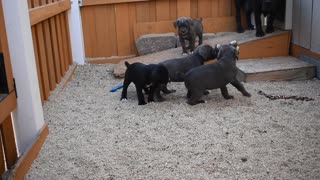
x: 8, y: 102
x: 110, y: 27
x: 51, y: 40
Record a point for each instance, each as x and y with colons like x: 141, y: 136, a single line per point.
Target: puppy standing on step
x: 215, y: 75
x: 247, y: 6
x: 182, y: 65
x: 188, y: 30
x: 143, y: 76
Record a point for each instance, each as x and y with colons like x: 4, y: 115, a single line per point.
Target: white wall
x: 306, y: 24
x: 28, y: 118
x: 76, y: 36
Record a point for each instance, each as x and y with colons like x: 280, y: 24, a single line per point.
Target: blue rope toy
x: 115, y: 88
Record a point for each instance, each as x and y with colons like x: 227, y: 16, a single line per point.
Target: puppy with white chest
x: 145, y: 77
x: 175, y: 66
x: 188, y: 30
x: 215, y: 75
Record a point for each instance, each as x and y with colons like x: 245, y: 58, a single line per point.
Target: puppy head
x: 206, y: 52
x: 183, y: 24
x: 228, y: 51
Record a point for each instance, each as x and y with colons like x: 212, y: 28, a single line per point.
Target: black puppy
x: 267, y: 8
x: 215, y: 75
x: 181, y: 65
x: 247, y: 7
x: 188, y: 30
x: 143, y: 76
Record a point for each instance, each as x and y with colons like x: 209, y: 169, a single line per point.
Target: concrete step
x: 275, y: 44
x: 275, y: 69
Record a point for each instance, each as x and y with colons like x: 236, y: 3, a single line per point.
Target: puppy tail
x: 200, y: 19
x: 180, y: 76
x: 127, y: 64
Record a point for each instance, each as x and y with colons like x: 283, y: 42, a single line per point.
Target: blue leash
x: 115, y: 88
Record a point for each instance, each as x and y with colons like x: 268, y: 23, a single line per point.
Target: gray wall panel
x: 315, y: 40
x: 305, y: 23
x: 296, y: 22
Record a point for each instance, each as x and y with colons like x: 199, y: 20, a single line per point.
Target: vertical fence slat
x: 106, y: 34
x: 88, y: 30
x: 224, y: 8
x: 68, y: 38
x: 61, y: 51
x: 65, y: 43
x: 8, y: 139
x: 55, y: 48
x: 48, y: 48
x: 184, y: 8
x: 122, y: 27
x: 36, y: 54
x: 204, y: 8
x: 49, y: 53
x: 173, y: 9
x: 215, y: 8
x: 2, y: 163
x: 163, y: 10
x: 132, y: 21
x: 43, y: 60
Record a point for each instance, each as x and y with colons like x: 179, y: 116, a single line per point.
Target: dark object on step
x: 297, y: 98
x: 3, y: 77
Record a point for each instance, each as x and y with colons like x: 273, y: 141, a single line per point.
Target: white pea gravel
x: 93, y: 135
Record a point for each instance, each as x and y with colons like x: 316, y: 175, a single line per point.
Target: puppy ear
x: 189, y: 21
x: 234, y: 43
x: 176, y: 23
x: 218, y: 46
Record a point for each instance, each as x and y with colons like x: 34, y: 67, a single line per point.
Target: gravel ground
x: 93, y: 135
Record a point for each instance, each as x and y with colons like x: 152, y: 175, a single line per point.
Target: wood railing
x: 51, y: 41
x: 110, y: 27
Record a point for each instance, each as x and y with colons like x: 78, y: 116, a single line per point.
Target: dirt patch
x: 93, y: 135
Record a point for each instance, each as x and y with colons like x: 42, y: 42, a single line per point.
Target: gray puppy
x: 215, y: 75
x: 188, y: 30
x: 182, y: 65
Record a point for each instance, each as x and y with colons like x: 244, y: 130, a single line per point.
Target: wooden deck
x: 275, y: 69
x: 275, y: 44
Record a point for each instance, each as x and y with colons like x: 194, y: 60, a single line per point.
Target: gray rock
x: 205, y: 37
x: 151, y: 43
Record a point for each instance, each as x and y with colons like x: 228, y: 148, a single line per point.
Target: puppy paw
x: 260, y: 34
x: 250, y: 27
x: 169, y: 91
x: 269, y: 30
x: 240, y: 29
x: 247, y: 94
x: 142, y: 103
x: 123, y: 99
x: 160, y: 99
x: 206, y: 92
x: 229, y: 97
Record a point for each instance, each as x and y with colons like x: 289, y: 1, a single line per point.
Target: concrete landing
x: 275, y: 44
x: 275, y: 69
